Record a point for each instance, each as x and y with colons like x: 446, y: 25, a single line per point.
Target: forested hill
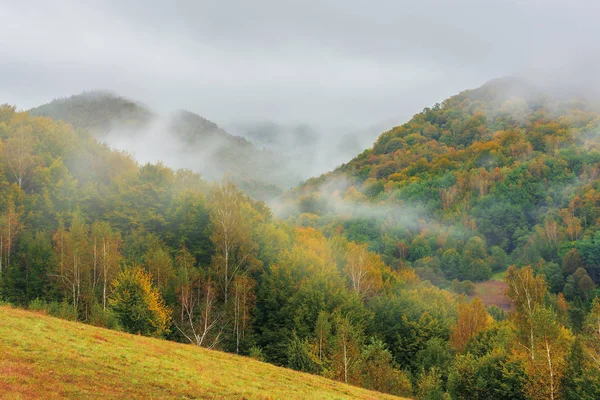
x: 507, y: 171
x: 97, y: 111
x: 181, y: 139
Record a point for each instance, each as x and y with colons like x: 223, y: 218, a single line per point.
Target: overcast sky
x: 334, y: 64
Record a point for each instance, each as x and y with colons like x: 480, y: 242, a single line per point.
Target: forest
x: 365, y: 275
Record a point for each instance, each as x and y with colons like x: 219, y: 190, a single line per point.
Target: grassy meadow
x: 46, y: 357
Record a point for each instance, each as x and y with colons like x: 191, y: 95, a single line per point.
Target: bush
x: 464, y: 287
x: 378, y: 371
x: 256, y: 353
x: 138, y: 304
x: 38, y: 305
x: 64, y: 310
x: 104, y: 318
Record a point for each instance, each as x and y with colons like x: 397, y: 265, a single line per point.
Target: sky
x: 337, y: 65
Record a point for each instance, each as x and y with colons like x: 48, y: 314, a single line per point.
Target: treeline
x: 88, y: 234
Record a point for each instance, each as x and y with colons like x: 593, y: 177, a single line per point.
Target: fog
x: 342, y: 71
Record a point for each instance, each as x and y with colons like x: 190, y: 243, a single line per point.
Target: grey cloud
x: 336, y: 65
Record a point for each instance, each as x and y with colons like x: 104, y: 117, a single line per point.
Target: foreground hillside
x: 52, y: 358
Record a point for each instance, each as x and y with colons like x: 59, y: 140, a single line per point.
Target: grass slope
x: 45, y: 357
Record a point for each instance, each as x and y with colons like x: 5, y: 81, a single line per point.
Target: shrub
x: 138, y: 304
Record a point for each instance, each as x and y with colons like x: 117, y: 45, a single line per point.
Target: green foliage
x: 299, y: 356
x: 492, y: 376
x: 104, y: 318
x: 578, y: 383
x: 138, y: 304
x: 379, y: 373
x: 57, y: 309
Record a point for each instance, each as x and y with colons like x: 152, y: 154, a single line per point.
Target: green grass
x: 45, y: 357
x: 499, y: 276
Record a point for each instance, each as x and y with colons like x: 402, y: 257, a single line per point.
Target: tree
x: 235, y: 252
x: 138, y: 304
x: 589, y: 249
x: 583, y: 283
x: 322, y: 332
x: 579, y: 382
x: 73, y: 253
x: 451, y: 263
x: 160, y: 265
x: 379, y: 373
x: 200, y: 319
x: 10, y: 226
x: 474, y: 261
x: 346, y: 352
x: 489, y: 376
x: 363, y: 268
x: 592, y: 334
x: 27, y: 279
x: 497, y: 258
x: 298, y: 355
x: 527, y: 292
x: 472, y: 318
x: 243, y: 298
x: 551, y: 344
x: 106, y: 256
x: 572, y: 261
x: 554, y: 276
x: 18, y: 152
x: 430, y: 386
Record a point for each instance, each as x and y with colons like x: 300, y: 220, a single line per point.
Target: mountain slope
x: 509, y: 163
x: 96, y: 111
x: 52, y: 358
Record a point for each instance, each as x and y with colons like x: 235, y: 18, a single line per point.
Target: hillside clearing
x: 493, y: 291
x: 45, y: 357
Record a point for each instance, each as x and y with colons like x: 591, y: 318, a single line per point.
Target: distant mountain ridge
x: 96, y: 111
x: 181, y: 139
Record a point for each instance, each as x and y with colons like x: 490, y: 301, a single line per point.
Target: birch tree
x: 243, y: 302
x: 160, y: 265
x: 347, y: 351
x: 106, y: 257
x: 10, y: 226
x: 552, y: 343
x: 527, y: 292
x: 72, y: 249
x: 363, y: 268
x: 17, y: 151
x: 199, y: 319
x: 235, y: 252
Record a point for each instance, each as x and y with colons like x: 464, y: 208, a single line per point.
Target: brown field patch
x: 493, y: 293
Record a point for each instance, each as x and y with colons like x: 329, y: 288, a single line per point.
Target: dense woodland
x: 369, y: 278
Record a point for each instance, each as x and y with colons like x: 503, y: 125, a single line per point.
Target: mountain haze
x: 181, y: 139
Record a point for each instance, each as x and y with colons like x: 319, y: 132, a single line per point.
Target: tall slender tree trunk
x: 104, y: 274
x: 226, y: 271
x: 551, y: 370
x: 345, y: 362
x: 1, y: 252
x: 8, y: 239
